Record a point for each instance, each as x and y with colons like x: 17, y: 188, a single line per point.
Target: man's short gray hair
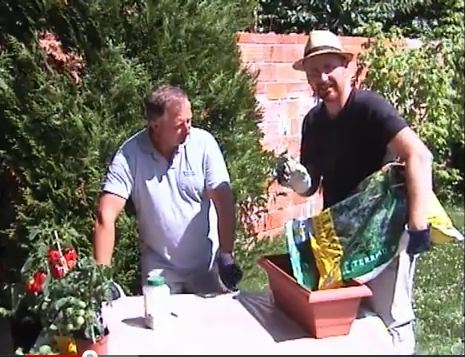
x: 162, y: 98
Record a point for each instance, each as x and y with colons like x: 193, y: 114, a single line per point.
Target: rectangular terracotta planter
x: 321, y: 313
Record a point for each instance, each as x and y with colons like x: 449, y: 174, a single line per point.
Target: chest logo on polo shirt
x: 188, y: 173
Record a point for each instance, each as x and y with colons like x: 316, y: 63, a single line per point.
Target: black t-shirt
x: 344, y: 150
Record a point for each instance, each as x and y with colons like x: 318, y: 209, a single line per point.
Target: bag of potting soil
x: 359, y: 236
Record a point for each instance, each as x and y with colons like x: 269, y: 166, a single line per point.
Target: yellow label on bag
x: 327, y: 250
x: 442, y: 228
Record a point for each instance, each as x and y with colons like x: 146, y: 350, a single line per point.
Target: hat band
x: 321, y: 48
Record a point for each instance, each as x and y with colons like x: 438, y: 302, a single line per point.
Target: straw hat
x: 320, y: 42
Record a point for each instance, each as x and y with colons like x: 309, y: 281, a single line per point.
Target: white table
x: 237, y: 323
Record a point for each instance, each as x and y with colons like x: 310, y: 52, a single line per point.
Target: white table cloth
x: 237, y: 323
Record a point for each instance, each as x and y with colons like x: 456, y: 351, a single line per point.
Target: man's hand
x: 229, y: 271
x: 292, y: 174
x: 419, y: 241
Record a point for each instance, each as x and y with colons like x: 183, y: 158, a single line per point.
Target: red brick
x: 355, y: 51
x: 256, y: 38
x: 260, y: 88
x: 255, y: 53
x: 296, y: 211
x: 267, y: 72
x: 276, y: 90
x: 270, y: 111
x: 299, y: 87
x: 274, y: 143
x: 262, y: 99
x: 292, y: 109
x: 274, y: 187
x: 272, y: 128
x: 293, y: 38
x: 293, y: 140
x: 275, y: 219
x: 286, y: 53
x: 251, y: 67
x: 299, y: 200
x: 287, y: 74
x: 271, y: 37
x: 293, y: 148
x: 280, y: 199
x: 352, y: 41
x: 292, y: 212
x: 296, y: 127
x: 317, y: 203
x: 301, y: 210
x: 352, y: 65
x: 273, y: 139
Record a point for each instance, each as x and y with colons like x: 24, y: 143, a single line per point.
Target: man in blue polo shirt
x: 177, y: 180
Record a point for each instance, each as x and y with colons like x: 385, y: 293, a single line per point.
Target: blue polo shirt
x: 177, y: 222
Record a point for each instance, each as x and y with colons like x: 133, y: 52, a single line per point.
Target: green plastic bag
x: 358, y: 237
x: 355, y: 238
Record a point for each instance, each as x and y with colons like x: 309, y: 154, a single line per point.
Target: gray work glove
x: 292, y: 174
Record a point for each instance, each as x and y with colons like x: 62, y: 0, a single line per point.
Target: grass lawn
x: 439, y: 293
x: 439, y: 297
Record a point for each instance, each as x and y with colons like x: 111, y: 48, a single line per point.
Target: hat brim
x: 299, y: 64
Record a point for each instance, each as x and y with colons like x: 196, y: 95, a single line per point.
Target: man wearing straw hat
x: 346, y: 138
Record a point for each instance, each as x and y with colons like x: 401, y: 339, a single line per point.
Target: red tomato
x: 71, y: 257
x: 58, y: 271
x: 54, y: 256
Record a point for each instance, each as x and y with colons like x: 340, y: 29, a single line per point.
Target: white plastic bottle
x: 156, y: 301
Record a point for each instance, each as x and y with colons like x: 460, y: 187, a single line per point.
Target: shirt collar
x: 147, y: 146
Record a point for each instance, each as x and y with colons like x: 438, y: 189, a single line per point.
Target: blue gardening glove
x: 419, y: 241
x: 229, y: 271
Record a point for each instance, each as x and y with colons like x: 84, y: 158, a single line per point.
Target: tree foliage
x: 426, y: 86
x: 351, y: 17
x: 340, y: 16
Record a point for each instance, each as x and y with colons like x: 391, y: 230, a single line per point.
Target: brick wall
x: 285, y: 98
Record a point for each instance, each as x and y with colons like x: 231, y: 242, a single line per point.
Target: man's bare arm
x: 223, y: 199
x: 108, y: 210
x: 418, y: 162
